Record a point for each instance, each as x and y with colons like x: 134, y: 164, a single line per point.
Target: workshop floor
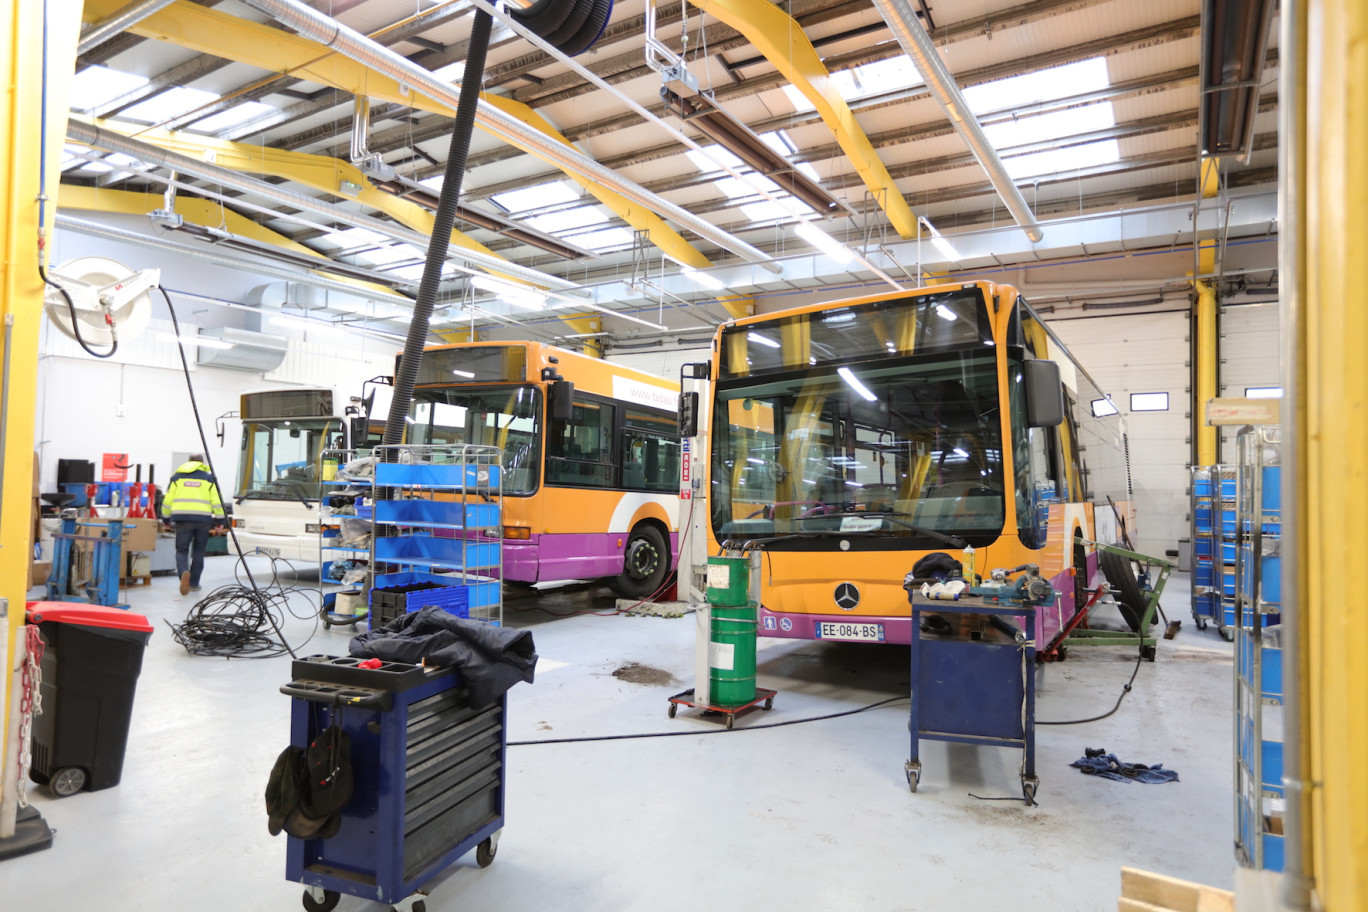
x: 810, y: 816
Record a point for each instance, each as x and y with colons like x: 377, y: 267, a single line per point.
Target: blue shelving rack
x: 438, y: 520
x: 342, y: 499
x: 1213, y: 547
x: 1259, y: 798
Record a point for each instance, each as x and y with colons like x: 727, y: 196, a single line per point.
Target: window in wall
x: 1149, y: 402
x: 580, y: 451
x: 1263, y: 392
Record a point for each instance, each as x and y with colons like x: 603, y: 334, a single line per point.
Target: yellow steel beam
x: 207, y: 213
x: 457, y: 335
x: 1329, y: 188
x: 782, y: 40
x: 211, y: 32
x: 1207, y: 358
x: 586, y: 323
x: 34, y: 145
x: 330, y: 175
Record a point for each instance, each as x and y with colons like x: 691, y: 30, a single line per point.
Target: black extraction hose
x: 442, y: 223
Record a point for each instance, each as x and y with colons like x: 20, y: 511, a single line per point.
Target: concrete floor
x: 812, y: 816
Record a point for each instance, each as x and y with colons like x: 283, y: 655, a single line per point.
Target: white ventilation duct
x: 251, y: 351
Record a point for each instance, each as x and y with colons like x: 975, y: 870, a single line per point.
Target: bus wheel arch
x: 646, y: 560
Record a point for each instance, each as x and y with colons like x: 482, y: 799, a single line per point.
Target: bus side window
x: 649, y: 452
x: 579, y: 452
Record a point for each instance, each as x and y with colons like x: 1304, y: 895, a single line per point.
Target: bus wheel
x: 645, y: 564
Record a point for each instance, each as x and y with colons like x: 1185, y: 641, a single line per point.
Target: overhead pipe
x: 352, y: 44
x: 901, y: 19
x: 95, y: 35
x: 87, y: 134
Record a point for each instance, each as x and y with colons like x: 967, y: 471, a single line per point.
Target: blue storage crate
x: 1201, y: 487
x: 1202, y: 517
x: 1202, y: 545
x: 1203, y: 573
x: 483, y: 594
x: 1204, y: 606
x: 1228, y: 552
x: 1228, y: 582
x: 1272, y: 578
x: 1270, y: 668
x: 454, y: 514
x: 1228, y: 522
x: 1271, y: 480
x: 393, y: 474
x: 430, y: 551
x: 1227, y: 487
x: 390, y: 602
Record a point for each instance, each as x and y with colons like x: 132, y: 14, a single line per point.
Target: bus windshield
x: 505, y: 416
x: 280, y: 459
x: 905, y: 452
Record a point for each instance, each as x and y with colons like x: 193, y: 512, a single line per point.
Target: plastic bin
x: 91, y: 661
x: 390, y: 602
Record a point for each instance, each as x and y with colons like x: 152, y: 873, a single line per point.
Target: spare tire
x: 1130, y: 599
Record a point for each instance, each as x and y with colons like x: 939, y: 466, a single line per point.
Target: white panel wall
x: 661, y: 363
x: 1144, y: 354
x: 1250, y: 357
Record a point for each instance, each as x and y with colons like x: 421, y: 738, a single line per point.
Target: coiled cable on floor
x: 237, y: 621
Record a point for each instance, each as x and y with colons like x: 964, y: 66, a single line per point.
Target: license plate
x: 873, y: 633
x: 270, y: 552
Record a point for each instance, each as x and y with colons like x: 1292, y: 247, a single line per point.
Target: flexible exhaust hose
x: 442, y: 223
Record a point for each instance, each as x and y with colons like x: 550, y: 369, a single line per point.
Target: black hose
x: 442, y: 223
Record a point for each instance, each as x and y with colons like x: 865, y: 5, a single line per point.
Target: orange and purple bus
x: 854, y: 438
x: 591, y: 457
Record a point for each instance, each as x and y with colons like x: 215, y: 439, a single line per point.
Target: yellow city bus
x: 591, y: 457
x: 856, y: 437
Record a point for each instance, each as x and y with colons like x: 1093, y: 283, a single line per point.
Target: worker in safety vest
x: 192, y: 504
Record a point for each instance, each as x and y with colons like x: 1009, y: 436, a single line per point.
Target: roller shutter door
x: 1250, y: 357
x: 1144, y: 353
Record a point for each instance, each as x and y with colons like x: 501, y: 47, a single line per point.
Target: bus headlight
x: 239, y: 523
x: 518, y: 533
x: 312, y: 529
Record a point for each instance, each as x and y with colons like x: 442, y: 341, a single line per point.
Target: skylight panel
x: 604, y: 239
x: 741, y: 188
x: 711, y: 159
x: 779, y: 141
x: 169, y: 104
x: 1071, y: 158
x: 354, y: 237
x: 770, y: 210
x: 567, y: 219
x: 549, y: 194
x: 843, y: 82
x: 883, y: 76
x: 233, y: 117
x: 98, y: 85
x: 412, y: 273
x: 1056, y: 125
x: 392, y: 254
x: 1043, y: 85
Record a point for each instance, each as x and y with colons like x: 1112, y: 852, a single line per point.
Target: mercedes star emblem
x: 847, y: 596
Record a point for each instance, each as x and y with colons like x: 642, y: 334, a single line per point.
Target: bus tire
x: 645, y: 563
x: 1129, y: 599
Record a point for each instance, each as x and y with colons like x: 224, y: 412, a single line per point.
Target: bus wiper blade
x: 953, y: 541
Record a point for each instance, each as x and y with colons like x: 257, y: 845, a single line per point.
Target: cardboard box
x: 139, y: 564
x: 138, y: 534
x: 39, y: 571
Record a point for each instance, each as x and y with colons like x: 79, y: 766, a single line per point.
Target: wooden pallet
x: 1144, y: 891
x: 128, y: 582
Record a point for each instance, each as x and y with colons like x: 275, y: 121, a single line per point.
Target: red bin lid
x: 89, y: 615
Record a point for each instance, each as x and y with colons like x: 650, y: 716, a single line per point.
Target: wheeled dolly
x: 729, y: 712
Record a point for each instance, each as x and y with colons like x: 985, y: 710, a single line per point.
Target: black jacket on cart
x: 490, y: 659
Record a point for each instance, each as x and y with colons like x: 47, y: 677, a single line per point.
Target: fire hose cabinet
x: 427, y: 771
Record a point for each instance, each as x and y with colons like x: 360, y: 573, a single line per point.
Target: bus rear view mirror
x: 1044, y: 394
x: 688, y: 414
x: 562, y: 400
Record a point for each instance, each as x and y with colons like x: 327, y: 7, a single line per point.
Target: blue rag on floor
x: 1108, y: 767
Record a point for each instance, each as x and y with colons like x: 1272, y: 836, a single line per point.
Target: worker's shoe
x: 185, y: 583
x: 194, y: 588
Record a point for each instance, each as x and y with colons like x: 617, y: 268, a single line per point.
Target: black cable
x: 1124, y: 690
x: 233, y: 621
x: 260, y: 595
x: 75, y: 322
x: 712, y: 731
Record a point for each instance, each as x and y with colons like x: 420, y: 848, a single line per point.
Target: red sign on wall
x: 114, y: 467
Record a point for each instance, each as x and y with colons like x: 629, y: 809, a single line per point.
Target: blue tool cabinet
x: 428, y: 773
x: 976, y: 683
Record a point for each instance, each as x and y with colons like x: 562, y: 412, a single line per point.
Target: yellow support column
x: 1328, y: 194
x: 1204, y: 364
x: 26, y: 126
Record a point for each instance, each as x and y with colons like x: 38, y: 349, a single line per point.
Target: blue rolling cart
x: 975, y: 682
x: 428, y: 773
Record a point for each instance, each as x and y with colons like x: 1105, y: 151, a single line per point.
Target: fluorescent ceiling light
x: 823, y: 242
x: 201, y: 341
x: 552, y: 193
x: 763, y: 340
x: 460, y: 373
x: 702, y: 278
x: 944, y: 312
x: 855, y: 384
x: 939, y: 242
x: 960, y: 452
x: 96, y: 86
x: 754, y: 460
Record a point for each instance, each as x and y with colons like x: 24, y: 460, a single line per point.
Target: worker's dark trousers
x: 192, y: 538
